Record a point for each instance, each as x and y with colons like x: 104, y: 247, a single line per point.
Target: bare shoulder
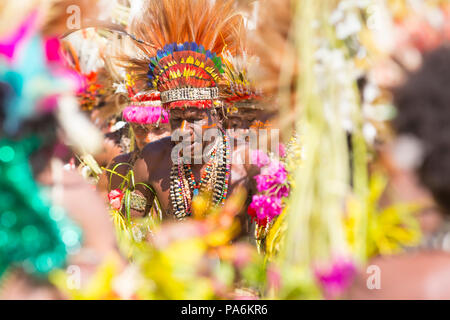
x: 124, y: 157
x: 121, y: 161
x: 157, y: 151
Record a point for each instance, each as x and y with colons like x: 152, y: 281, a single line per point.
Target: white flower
x: 350, y: 26
x: 371, y: 92
x: 369, y: 133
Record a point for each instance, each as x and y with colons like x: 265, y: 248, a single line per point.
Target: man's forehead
x: 245, y: 113
x: 189, y: 111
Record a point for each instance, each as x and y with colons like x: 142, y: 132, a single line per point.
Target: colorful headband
x: 186, y: 75
x: 145, y: 108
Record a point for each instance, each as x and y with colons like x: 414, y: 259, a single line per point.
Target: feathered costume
x: 239, y: 90
x: 182, y: 43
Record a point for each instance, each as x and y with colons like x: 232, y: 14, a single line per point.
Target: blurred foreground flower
x: 336, y: 278
x: 199, y: 258
x: 115, y: 198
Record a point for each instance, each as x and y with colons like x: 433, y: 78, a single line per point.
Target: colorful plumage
x: 184, y: 41
x: 86, y: 52
x: 238, y: 87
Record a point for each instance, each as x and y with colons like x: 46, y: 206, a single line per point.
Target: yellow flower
x: 385, y: 231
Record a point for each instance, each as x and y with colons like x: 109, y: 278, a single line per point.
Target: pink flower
x: 271, y: 176
x: 273, y: 277
x: 115, y: 198
x: 263, y: 182
x: 264, y: 208
x: 337, y: 278
x: 260, y: 158
x: 53, y: 50
x: 277, y: 170
x: 283, y: 191
x: 242, y: 255
x: 281, y: 150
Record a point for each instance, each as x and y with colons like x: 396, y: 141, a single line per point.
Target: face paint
x: 183, y: 125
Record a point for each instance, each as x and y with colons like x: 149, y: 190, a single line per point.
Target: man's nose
x: 245, y: 124
x: 187, y: 127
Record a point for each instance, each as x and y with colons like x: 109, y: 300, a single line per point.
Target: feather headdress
x: 182, y: 41
x: 239, y: 89
x: 274, y: 31
x: 84, y: 51
x: 92, y: 52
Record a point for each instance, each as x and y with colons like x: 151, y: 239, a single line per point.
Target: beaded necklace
x: 206, y: 176
x: 215, y: 178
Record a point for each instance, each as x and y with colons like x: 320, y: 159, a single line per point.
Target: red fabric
x: 202, y: 104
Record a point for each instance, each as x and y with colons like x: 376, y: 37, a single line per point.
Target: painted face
x: 239, y: 123
x: 145, y: 134
x: 193, y: 122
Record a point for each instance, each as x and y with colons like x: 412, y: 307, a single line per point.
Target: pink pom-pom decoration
x: 145, y: 115
x: 145, y: 108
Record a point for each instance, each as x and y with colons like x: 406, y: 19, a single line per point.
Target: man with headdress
x: 181, y: 42
x: 149, y: 122
x: 242, y: 108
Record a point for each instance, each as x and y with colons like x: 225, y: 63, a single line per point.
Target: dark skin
x: 144, y: 134
x: 155, y: 163
x: 242, y: 119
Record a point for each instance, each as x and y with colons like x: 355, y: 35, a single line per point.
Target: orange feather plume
x: 215, y: 24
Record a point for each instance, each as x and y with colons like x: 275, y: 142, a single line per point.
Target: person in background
x: 45, y: 225
x: 421, y: 153
x: 149, y: 122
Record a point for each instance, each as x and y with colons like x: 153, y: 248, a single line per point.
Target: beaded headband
x: 190, y: 94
